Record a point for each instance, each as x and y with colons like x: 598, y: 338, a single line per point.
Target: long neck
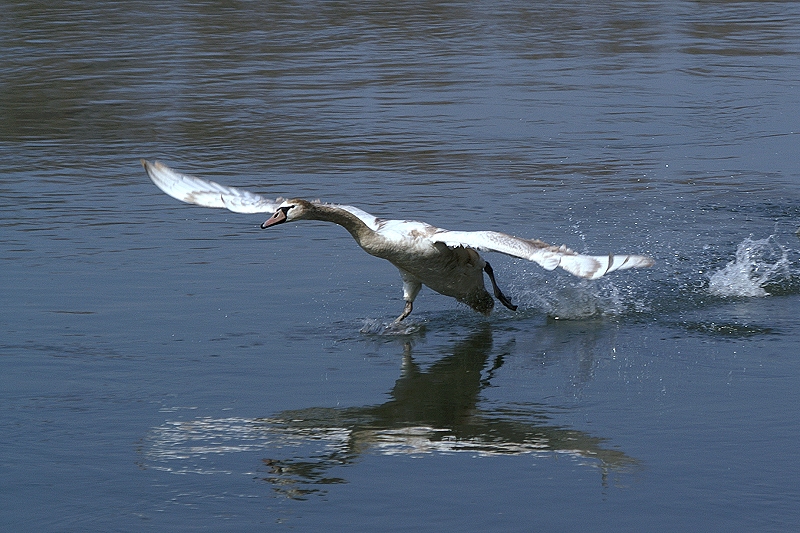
x: 362, y: 233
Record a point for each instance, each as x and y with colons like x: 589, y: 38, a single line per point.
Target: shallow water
x: 171, y: 367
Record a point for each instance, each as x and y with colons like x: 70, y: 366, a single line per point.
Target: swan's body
x: 446, y: 261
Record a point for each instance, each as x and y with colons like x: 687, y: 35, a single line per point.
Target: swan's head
x: 290, y: 210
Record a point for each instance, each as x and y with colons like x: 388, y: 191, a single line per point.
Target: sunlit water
x: 168, y: 367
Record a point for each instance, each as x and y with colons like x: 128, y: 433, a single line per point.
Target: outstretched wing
x: 198, y: 191
x: 546, y: 255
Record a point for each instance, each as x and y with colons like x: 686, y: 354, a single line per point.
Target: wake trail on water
x: 759, y: 268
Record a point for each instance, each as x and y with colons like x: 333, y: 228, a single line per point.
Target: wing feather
x: 548, y: 256
x: 207, y: 193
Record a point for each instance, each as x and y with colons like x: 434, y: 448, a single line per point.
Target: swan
x: 446, y: 261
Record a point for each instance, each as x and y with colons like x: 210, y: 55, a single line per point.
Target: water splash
x: 378, y: 327
x: 579, y: 301
x: 759, y: 263
x: 570, y: 299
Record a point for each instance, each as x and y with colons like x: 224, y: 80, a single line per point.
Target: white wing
x: 546, y: 255
x: 206, y: 193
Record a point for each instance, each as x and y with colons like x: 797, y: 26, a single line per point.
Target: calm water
x: 169, y: 367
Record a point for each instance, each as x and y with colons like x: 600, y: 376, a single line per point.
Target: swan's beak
x: 277, y: 218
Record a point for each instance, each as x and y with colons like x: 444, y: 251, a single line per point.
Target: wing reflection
x: 430, y: 411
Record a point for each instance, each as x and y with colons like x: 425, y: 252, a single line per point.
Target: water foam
x: 758, y: 264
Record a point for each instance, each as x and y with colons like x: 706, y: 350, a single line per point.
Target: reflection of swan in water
x: 431, y: 411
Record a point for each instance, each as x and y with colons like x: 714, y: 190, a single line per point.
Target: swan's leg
x: 411, y: 287
x: 497, y: 292
x: 406, y: 311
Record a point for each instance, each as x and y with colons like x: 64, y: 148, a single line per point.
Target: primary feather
x: 198, y: 191
x: 546, y: 255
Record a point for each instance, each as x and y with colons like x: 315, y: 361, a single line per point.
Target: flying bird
x: 446, y: 261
